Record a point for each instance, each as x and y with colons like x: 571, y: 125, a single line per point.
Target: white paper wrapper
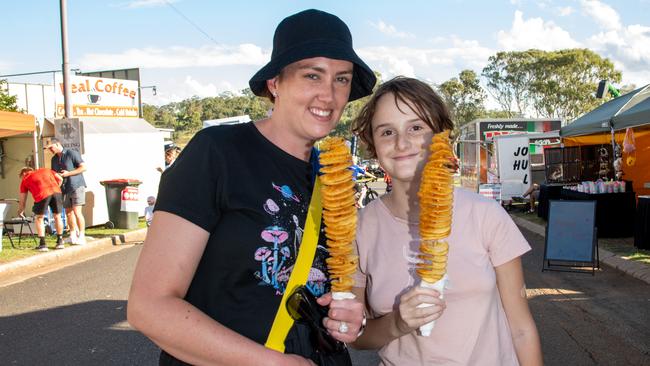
x: 343, y: 296
x: 425, y: 330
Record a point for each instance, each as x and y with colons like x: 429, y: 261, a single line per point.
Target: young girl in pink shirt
x: 484, y: 318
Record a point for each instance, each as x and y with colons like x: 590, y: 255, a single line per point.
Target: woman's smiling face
x: 311, y: 95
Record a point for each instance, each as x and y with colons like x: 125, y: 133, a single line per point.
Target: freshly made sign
x: 99, y: 97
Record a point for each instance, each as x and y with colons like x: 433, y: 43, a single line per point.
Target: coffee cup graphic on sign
x: 94, y: 98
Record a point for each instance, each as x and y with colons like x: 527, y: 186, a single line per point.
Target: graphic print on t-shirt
x: 282, y: 240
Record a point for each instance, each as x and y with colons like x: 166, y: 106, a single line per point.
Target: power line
x: 192, y: 23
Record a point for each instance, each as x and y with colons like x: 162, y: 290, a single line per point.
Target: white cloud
x: 436, y: 64
x: 604, y: 15
x: 198, y: 89
x: 534, y: 33
x: 390, y: 30
x: 629, y: 48
x: 175, y: 89
x: 177, y: 57
x: 564, y: 11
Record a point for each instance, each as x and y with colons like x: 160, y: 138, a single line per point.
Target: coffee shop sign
x: 100, y: 86
x: 111, y: 97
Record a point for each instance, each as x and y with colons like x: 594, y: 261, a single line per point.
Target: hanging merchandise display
x: 629, y: 147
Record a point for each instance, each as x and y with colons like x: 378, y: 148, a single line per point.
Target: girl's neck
x: 402, y: 201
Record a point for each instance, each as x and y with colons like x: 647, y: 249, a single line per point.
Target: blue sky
x: 431, y: 40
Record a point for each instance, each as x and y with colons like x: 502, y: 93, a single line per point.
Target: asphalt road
x: 76, y: 316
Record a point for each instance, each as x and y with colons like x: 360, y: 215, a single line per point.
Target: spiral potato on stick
x: 339, y: 212
x: 436, y: 203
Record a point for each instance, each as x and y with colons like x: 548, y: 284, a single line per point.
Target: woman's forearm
x: 190, y: 335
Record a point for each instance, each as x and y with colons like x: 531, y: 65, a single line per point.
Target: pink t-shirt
x: 473, y: 330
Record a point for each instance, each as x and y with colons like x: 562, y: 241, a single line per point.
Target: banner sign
x: 99, y: 97
x: 514, y: 166
x: 68, y: 131
x: 489, y: 129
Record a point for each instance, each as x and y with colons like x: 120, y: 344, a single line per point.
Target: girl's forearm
x: 528, y: 348
x: 379, y: 332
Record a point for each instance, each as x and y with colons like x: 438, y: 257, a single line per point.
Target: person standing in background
x: 148, y: 211
x: 44, y: 186
x: 69, y: 164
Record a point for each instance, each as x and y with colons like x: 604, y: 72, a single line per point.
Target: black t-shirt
x: 252, y: 197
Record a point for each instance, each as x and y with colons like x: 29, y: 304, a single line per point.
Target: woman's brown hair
x: 419, y: 96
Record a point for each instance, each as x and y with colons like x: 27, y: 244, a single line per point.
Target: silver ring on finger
x: 343, y: 327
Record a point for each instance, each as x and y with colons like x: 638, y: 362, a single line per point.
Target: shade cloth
x: 629, y: 110
x: 14, y: 123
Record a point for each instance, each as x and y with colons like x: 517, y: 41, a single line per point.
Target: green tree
x: 7, y: 102
x: 149, y: 113
x: 509, y: 76
x: 553, y: 84
x: 464, y: 96
x: 189, y: 114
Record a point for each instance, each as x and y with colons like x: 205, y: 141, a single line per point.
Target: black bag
x: 300, y: 341
x: 337, y: 359
x: 308, y: 336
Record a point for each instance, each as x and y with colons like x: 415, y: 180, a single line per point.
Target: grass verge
x: 27, y: 245
x: 626, y: 251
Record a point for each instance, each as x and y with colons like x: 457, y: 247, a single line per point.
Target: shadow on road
x: 584, y: 319
x: 90, y: 333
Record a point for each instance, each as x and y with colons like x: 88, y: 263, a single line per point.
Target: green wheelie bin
x: 122, y: 201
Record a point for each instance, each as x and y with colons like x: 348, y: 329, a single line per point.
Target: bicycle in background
x: 364, y: 193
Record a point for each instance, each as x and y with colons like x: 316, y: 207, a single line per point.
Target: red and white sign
x: 129, y: 200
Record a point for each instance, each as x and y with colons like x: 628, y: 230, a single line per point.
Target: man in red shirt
x: 44, y: 185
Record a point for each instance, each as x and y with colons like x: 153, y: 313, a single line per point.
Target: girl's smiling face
x: 400, y: 137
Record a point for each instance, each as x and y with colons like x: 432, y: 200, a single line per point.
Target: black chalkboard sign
x: 571, y: 240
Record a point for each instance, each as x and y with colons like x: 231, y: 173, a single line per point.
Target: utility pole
x: 67, y: 99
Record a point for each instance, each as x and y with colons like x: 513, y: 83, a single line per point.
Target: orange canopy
x: 639, y: 174
x: 13, y: 123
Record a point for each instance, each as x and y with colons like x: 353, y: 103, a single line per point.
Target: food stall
x: 610, y: 121
x: 479, y: 156
x: 600, y: 163
x: 17, y: 133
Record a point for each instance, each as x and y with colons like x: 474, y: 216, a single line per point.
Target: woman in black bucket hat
x: 222, y: 244
x: 313, y: 33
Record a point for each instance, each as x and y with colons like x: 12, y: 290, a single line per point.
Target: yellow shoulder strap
x: 300, y: 273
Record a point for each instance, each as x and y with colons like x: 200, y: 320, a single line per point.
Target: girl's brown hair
x: 421, y: 98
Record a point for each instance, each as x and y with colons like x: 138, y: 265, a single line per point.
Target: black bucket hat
x: 313, y: 33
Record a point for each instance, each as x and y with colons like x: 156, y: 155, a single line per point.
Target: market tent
x: 13, y: 123
x: 631, y: 110
x: 638, y: 115
x: 607, y: 116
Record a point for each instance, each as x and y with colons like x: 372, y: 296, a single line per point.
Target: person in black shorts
x: 43, y: 184
x: 69, y: 164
